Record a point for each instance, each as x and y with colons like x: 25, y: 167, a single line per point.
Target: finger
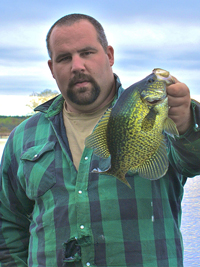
x: 175, y: 79
x: 178, y: 101
x: 175, y: 111
x: 178, y: 90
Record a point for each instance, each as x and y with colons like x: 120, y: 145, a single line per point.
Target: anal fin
x: 155, y: 167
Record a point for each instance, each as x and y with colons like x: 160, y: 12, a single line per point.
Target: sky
x: 145, y: 35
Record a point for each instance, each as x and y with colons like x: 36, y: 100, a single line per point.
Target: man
x: 54, y: 210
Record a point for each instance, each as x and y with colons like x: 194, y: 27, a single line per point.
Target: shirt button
x: 35, y: 156
x: 87, y: 264
x: 82, y: 227
x: 80, y: 191
x: 86, y: 158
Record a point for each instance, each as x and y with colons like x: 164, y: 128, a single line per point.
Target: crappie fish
x: 132, y: 132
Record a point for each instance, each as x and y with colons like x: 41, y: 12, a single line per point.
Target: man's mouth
x: 81, y: 83
x: 80, y: 80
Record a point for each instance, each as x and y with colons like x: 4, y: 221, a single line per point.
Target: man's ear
x: 50, y: 64
x: 110, y: 53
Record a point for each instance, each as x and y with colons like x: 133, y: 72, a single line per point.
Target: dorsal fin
x: 98, y: 139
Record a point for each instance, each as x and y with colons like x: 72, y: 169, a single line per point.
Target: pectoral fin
x: 170, y: 127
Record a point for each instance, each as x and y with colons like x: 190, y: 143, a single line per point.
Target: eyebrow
x: 87, y: 48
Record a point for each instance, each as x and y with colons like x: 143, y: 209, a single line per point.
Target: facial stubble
x: 83, y: 95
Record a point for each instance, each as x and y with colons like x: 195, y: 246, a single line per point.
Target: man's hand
x: 179, y: 105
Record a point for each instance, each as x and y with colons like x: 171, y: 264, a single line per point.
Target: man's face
x: 81, y: 67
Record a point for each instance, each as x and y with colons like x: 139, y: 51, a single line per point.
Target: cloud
x: 23, y: 59
x: 17, y: 105
x: 24, y: 35
x: 140, y: 47
x: 174, y: 38
x: 105, y: 10
x: 144, y: 34
x: 140, y: 44
x: 19, y: 55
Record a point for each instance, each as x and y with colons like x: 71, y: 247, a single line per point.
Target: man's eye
x: 65, y: 58
x: 87, y: 53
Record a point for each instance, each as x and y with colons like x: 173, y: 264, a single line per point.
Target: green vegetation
x: 8, y: 123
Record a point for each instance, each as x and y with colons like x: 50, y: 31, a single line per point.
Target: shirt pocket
x: 37, y: 169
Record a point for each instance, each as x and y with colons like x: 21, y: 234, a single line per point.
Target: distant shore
x: 4, y: 135
x: 8, y: 123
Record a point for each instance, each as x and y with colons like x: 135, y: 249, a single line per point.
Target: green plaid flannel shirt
x: 53, y: 215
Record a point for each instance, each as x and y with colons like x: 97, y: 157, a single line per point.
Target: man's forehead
x: 78, y: 25
x: 72, y: 34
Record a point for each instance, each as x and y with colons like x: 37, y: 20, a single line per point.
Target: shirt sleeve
x: 184, y: 152
x: 15, y: 212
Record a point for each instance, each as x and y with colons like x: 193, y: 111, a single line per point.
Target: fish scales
x: 132, y: 132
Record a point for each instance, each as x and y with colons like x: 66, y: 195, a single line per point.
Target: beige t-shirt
x: 78, y: 127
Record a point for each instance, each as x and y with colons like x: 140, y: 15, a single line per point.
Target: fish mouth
x: 154, y: 102
x: 163, y: 75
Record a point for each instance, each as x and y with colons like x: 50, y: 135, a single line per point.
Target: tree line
x: 8, y: 123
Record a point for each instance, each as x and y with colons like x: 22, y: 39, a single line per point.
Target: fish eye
x: 151, y: 80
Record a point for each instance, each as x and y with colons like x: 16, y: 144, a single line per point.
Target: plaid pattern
x: 52, y: 215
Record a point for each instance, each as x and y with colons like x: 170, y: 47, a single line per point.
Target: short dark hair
x: 71, y: 19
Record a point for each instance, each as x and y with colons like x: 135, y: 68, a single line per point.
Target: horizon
x: 23, y: 110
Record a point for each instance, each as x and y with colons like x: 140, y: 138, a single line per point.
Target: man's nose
x: 77, y: 64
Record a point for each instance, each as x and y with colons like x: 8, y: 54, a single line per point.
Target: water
x: 190, y: 219
x: 191, y: 222
x: 2, y: 143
